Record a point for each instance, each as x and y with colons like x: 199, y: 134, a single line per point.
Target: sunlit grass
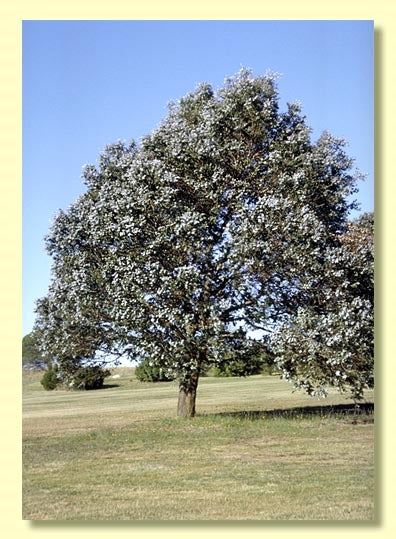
x: 254, y: 452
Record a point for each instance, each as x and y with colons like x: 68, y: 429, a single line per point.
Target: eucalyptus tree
x: 217, y: 224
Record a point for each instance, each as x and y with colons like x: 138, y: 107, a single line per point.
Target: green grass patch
x: 255, y: 451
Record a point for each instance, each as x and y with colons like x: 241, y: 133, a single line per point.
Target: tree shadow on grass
x: 362, y: 412
x: 105, y: 386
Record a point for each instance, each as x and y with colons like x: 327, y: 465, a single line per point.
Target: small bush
x: 257, y: 360
x: 238, y: 367
x: 88, y: 377
x: 49, y: 380
x: 151, y: 373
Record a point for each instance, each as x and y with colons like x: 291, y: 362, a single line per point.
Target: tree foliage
x: 330, y: 340
x: 147, y: 371
x: 86, y: 377
x: 219, y: 223
x: 50, y: 380
x: 255, y: 360
x: 31, y: 354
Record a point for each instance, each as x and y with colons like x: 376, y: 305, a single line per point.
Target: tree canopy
x: 31, y: 353
x: 330, y: 340
x: 226, y: 220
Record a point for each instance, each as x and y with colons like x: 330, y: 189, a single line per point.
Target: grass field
x: 255, y: 451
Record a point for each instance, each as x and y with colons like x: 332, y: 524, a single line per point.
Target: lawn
x: 255, y: 451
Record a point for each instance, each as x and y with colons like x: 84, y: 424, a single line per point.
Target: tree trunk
x: 187, y: 396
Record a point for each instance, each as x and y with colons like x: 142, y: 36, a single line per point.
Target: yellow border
x: 383, y: 13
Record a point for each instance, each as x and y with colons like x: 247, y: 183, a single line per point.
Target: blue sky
x: 90, y: 83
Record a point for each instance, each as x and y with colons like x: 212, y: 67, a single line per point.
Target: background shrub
x: 91, y: 377
x: 49, y: 380
x: 238, y: 367
x: 145, y: 372
x: 257, y: 360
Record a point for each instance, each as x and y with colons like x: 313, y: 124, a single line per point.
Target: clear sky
x: 90, y: 83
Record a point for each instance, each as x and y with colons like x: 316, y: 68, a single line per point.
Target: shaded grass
x: 363, y: 412
x: 234, y: 461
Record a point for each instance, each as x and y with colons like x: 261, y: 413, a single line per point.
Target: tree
x: 217, y: 224
x: 255, y: 361
x: 31, y: 354
x: 147, y: 371
x: 330, y: 340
